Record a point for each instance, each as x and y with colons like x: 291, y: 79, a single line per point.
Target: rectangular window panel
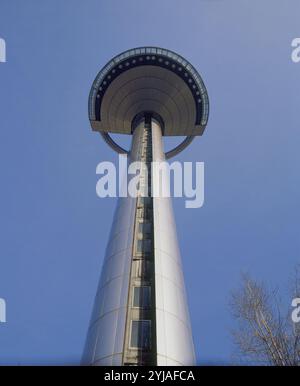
x: 141, y: 268
x: 143, y: 246
x: 147, y: 227
x: 147, y: 245
x: 139, y: 246
x: 142, y: 296
x: 140, y: 334
x: 140, y: 227
x: 143, y: 201
x: 144, y: 227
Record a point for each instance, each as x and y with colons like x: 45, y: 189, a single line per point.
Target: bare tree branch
x: 263, y: 334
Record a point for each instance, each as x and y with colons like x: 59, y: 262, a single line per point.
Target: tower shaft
x: 140, y: 314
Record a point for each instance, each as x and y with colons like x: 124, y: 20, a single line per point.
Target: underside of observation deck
x: 149, y: 79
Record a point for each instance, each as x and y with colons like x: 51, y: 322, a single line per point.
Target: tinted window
x: 141, y: 334
x: 141, y: 296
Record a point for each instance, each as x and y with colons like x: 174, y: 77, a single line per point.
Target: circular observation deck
x: 149, y: 79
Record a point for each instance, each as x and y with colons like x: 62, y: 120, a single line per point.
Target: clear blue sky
x: 53, y: 228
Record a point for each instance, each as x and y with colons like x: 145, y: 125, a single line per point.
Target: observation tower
x: 140, y: 314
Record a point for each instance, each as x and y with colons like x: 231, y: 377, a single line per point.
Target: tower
x: 140, y: 314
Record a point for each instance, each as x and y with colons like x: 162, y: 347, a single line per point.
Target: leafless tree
x: 265, y: 334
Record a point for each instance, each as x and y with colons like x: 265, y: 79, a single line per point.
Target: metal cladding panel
x: 174, y: 335
x: 105, y: 338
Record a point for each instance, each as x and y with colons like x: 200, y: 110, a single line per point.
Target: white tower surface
x: 140, y: 314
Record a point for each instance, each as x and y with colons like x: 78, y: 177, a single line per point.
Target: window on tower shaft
x: 140, y: 334
x: 143, y: 246
x: 142, y: 296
